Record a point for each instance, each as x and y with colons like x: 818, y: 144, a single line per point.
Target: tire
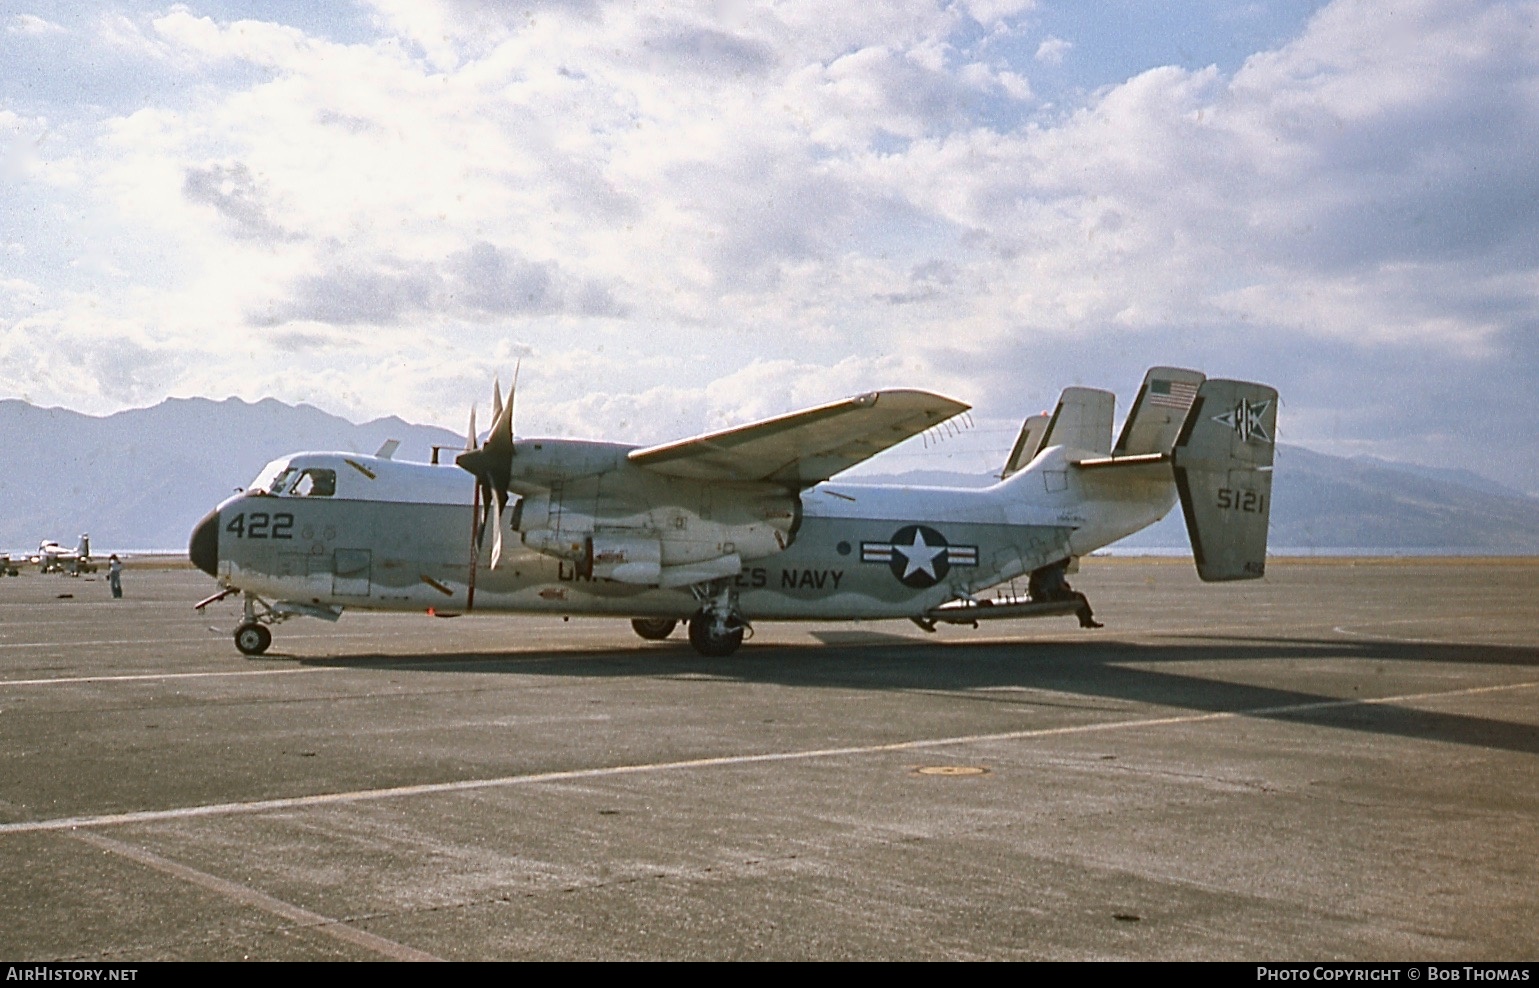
x: 709, y: 645
x: 653, y: 629
x: 252, y: 639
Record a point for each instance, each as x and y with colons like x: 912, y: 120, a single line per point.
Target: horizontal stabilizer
x: 1223, y: 467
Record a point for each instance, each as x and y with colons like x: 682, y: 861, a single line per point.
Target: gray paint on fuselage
x: 418, y: 550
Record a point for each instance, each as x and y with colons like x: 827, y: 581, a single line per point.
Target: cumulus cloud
x: 1053, y: 50
x: 234, y: 193
x: 650, y: 200
x: 480, y: 282
x: 32, y: 25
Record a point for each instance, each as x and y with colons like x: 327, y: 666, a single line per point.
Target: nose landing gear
x: 252, y: 638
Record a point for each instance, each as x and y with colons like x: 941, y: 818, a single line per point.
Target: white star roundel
x: 918, y: 555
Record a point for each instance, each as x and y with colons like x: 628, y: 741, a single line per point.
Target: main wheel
x: 654, y: 629
x: 709, y: 644
x: 252, y: 639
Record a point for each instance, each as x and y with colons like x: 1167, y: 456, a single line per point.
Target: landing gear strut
x: 716, y: 630
x: 252, y: 636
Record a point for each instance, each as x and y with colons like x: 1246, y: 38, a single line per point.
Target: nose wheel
x: 252, y: 638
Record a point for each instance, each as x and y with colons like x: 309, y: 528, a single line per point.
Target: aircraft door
x: 351, y: 569
x: 308, y: 571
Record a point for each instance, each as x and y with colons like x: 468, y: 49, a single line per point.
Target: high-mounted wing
x: 806, y: 447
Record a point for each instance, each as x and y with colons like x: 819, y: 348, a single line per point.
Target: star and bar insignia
x: 918, y: 555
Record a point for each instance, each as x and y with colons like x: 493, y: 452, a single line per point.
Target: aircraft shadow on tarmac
x: 1113, y: 670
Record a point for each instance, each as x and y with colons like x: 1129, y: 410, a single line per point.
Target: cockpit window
x: 278, y: 483
x: 315, y: 482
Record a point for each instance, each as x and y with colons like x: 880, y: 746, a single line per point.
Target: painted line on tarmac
x: 502, y: 782
x: 260, y: 900
x: 1371, y: 636
x: 141, y: 677
x: 178, y: 641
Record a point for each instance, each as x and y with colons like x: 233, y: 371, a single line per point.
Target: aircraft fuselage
x: 385, y: 535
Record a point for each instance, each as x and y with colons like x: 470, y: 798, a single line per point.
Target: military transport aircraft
x: 748, y: 524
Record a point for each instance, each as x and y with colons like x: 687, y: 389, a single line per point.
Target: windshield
x: 272, y: 478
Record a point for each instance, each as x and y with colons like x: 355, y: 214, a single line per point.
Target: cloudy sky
x: 683, y: 216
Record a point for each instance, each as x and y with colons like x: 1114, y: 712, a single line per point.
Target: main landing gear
x: 653, y: 629
x: 716, y: 630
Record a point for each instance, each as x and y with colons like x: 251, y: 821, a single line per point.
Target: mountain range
x: 141, y: 479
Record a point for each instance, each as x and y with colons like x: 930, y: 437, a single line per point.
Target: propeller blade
x: 496, y: 398
x: 470, y: 440
x: 492, y: 465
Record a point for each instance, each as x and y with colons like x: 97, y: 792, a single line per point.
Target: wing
x: 806, y: 447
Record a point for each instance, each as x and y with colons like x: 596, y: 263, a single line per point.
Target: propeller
x: 491, y: 463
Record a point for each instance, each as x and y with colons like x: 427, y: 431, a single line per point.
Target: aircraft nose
x: 203, y: 550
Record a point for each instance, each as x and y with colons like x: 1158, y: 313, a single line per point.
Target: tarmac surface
x: 1338, y: 762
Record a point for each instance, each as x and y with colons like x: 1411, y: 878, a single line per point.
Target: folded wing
x: 803, y: 448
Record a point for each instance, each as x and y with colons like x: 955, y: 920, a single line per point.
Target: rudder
x: 1159, y: 411
x: 1082, y: 420
x: 1027, y: 445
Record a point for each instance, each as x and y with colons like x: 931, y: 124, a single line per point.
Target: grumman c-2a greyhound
x: 748, y: 524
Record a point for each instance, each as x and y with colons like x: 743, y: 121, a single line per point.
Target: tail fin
x: 1159, y: 411
x: 1027, y: 445
x: 1082, y: 420
x: 83, y: 549
x: 1223, y: 466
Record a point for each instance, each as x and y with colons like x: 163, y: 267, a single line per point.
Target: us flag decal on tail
x: 1172, y: 394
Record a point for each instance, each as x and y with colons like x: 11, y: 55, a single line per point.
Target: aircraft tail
x: 1159, y: 411
x: 1082, y: 420
x: 1027, y: 445
x: 1223, y: 468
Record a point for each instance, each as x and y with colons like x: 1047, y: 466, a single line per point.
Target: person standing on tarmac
x: 1048, y: 583
x: 115, y: 575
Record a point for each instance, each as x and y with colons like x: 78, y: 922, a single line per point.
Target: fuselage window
x: 315, y: 482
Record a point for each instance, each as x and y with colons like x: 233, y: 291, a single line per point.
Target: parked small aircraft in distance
x: 750, y: 523
x: 51, y: 557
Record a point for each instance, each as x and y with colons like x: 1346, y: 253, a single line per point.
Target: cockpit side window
x: 315, y: 482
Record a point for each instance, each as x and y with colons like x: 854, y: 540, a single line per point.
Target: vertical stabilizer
x: 1027, y: 445
x: 1082, y: 420
x: 1223, y: 467
x: 1159, y: 411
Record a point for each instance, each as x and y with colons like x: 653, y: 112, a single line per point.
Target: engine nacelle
x: 626, y: 557
x: 702, y: 533
x: 571, y: 546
